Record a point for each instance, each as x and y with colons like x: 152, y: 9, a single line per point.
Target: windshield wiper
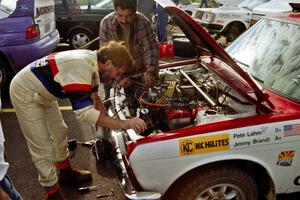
x: 238, y: 61
x: 246, y: 7
x: 258, y: 79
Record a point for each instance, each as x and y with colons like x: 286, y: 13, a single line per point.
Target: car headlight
x: 208, y: 16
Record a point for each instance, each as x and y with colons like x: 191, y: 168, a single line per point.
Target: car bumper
x: 122, y: 171
x: 22, y: 55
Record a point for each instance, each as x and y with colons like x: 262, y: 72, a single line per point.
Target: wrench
x: 111, y: 193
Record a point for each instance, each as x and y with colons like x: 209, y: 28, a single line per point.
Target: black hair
x: 126, y: 4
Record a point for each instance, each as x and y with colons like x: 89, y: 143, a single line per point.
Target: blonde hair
x: 117, y: 52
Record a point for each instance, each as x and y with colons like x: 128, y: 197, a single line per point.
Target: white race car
x: 231, y: 21
x: 224, y: 125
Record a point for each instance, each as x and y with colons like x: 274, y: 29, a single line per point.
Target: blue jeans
x: 8, y: 187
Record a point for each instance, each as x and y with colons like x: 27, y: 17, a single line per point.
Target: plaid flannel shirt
x: 144, y: 46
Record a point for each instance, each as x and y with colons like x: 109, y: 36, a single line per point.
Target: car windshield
x: 98, y: 5
x: 90, y: 5
x: 251, y: 4
x: 270, y: 52
x: 104, y: 4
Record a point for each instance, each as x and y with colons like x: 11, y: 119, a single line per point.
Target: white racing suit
x: 34, y: 92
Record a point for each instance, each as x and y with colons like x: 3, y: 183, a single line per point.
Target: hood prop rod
x: 210, y: 100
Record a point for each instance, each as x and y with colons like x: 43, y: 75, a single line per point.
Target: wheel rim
x: 79, y: 40
x: 224, y: 191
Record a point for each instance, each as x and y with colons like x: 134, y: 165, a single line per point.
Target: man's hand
x: 137, y: 124
x: 125, y: 82
x: 150, y: 79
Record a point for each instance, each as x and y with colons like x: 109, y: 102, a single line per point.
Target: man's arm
x: 104, y: 120
x: 103, y: 37
x: 151, y: 52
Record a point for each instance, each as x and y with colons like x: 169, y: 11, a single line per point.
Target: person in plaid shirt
x: 134, y: 28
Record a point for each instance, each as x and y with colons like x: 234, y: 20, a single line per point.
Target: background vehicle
x: 219, y: 126
x: 188, y: 7
x: 232, y: 21
x: 27, y: 32
x: 79, y: 24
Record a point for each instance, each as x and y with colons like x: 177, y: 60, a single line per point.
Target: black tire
x: 5, y: 77
x: 78, y: 38
x: 234, y: 31
x: 215, y: 183
x: 178, y: 35
x: 183, y: 47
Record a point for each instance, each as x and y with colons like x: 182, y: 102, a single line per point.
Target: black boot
x: 70, y: 175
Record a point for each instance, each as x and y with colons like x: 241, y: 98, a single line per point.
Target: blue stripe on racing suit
x: 81, y: 104
x: 53, y: 87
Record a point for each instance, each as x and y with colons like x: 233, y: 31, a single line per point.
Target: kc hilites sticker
x: 285, y: 158
x: 197, y: 145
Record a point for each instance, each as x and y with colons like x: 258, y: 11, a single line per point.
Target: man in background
x: 147, y: 7
x: 128, y: 25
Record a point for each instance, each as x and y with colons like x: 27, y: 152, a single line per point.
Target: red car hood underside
x: 201, y: 39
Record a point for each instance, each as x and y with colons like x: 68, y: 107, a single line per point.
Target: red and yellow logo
x: 285, y: 158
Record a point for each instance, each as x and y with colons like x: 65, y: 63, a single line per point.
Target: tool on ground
x: 87, y: 189
x: 87, y: 143
x: 111, y: 193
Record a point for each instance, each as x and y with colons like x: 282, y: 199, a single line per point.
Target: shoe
x: 70, y: 175
x: 55, y: 196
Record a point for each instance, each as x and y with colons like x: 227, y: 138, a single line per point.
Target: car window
x: 250, y: 4
x: 7, y: 7
x: 103, y: 4
x: 80, y: 6
x: 270, y: 52
x: 60, y: 7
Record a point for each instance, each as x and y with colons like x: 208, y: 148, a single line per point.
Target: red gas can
x: 166, y: 49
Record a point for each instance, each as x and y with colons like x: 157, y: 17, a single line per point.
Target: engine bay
x: 183, y: 96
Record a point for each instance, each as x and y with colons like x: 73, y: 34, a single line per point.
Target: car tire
x: 214, y: 183
x: 234, y: 31
x: 183, y: 47
x: 78, y: 38
x: 5, y: 77
x: 178, y: 35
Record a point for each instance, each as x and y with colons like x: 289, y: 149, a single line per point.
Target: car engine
x: 183, y: 96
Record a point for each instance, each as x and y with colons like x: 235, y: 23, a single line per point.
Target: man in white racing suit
x: 73, y: 74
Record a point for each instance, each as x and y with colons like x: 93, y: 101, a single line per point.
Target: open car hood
x: 231, y: 73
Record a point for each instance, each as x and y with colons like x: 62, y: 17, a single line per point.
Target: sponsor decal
x: 193, y: 146
x: 44, y: 10
x: 291, y: 130
x: 297, y: 181
x: 249, y: 138
x: 285, y: 158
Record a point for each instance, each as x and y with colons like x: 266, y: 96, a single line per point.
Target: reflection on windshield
x: 271, y: 51
x: 251, y: 4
